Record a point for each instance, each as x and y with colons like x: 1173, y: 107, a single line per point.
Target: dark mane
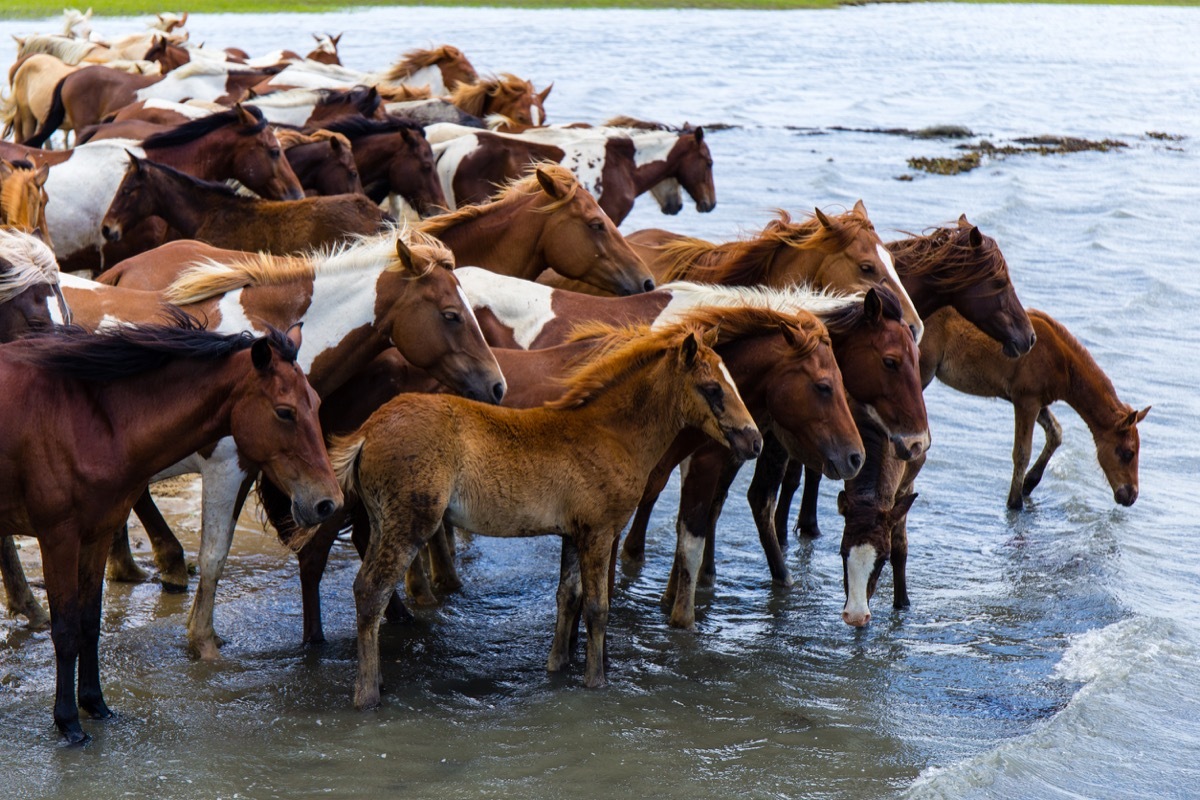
x: 197, y: 183
x: 354, y: 127
x: 190, y: 131
x: 127, y: 351
x: 846, y: 319
x: 363, y: 98
x: 945, y: 257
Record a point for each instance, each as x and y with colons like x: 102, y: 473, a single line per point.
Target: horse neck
x: 164, y: 415
x: 654, y: 172
x: 1089, y: 391
x: 505, y: 239
x: 184, y: 210
x: 204, y: 158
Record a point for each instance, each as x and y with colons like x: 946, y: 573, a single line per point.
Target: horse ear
x: 861, y: 208
x: 712, y: 336
x: 44, y: 172
x: 873, y: 306
x: 962, y: 221
x: 544, y: 93
x: 260, y: 354
x: 316, y: 38
x: 336, y: 39
x: 549, y: 186
x: 404, y: 253
x: 689, y: 349
x: 699, y: 135
x: 789, y: 335
x: 134, y: 160
x: 975, y: 238
x: 6, y: 169
x: 183, y: 21
x: 824, y: 220
x: 903, y: 504
x: 335, y: 144
x: 244, y: 116
x: 842, y: 504
x: 1141, y: 415
x: 293, y: 334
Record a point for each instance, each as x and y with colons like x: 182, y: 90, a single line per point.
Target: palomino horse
x: 87, y: 96
x: 506, y: 96
x: 442, y: 69
x: 616, y: 165
x: 544, y: 221
x: 198, y: 387
x: 1057, y: 368
x: 836, y: 253
x: 955, y: 266
x: 355, y: 302
x: 214, y: 213
x: 23, y: 199
x: 509, y: 472
x: 323, y: 162
x: 83, y: 182
x: 394, y: 160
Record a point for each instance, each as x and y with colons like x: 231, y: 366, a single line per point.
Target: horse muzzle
x: 1016, y: 347
x: 308, y: 513
x: 1126, y: 494
x: 909, y: 446
x: 112, y: 233
x: 705, y: 206
x: 843, y: 466
x: 746, y: 443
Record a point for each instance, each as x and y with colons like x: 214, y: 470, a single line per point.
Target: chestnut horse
x: 197, y: 387
x: 355, y: 302
x: 394, y: 160
x: 322, y: 161
x: 23, y: 199
x: 214, y: 213
x: 505, y: 96
x: 509, y: 472
x: 1057, y: 368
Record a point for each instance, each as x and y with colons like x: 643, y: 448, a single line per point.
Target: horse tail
x: 58, y: 112
x: 8, y: 112
x: 344, y: 452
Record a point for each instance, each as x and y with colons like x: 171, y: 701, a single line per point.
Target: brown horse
x: 394, y: 159
x: 442, y: 69
x: 23, y: 198
x: 1057, y: 368
x: 197, y: 387
x: 214, y: 213
x: 513, y: 472
x: 506, y: 96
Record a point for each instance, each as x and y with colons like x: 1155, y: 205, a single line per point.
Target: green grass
x: 52, y: 8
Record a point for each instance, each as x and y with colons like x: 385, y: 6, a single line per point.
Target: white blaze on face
x: 520, y: 305
x: 729, y: 378
x: 890, y: 266
x: 859, y: 565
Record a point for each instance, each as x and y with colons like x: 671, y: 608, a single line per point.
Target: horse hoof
x: 127, y: 573
x: 74, y: 735
x: 595, y: 682
x: 207, y: 649
x: 811, y: 531
x: 172, y: 587
x: 98, y: 710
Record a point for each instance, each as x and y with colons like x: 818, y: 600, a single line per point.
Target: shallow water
x: 1047, y: 653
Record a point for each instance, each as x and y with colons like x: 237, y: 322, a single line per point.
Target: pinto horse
x: 509, y: 472
x: 355, y: 302
x: 394, y: 160
x: 83, y: 182
x: 197, y: 387
x: 1057, y: 368
x: 214, y: 213
x: 442, y: 68
x: 505, y: 96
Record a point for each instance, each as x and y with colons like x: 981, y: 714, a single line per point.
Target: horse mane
x: 206, y: 66
x: 289, y: 138
x: 190, y: 131
x: 354, y: 127
x: 785, y: 300
x: 415, y: 60
x: 68, y: 51
x: 209, y: 278
x: 473, y: 97
x: 845, y: 320
x: 622, y: 351
x: 745, y: 262
x: 624, y: 121
x: 511, y: 193
x: 404, y: 93
x: 125, y: 351
x: 197, y: 183
x: 25, y: 261
x: 12, y: 187
x: 944, y: 256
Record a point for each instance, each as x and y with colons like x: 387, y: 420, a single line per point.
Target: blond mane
x: 289, y: 138
x: 415, y: 60
x: 404, y: 94
x: 473, y: 97
x: 515, y: 191
x: 25, y: 261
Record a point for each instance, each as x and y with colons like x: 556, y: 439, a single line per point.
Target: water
x: 1047, y: 654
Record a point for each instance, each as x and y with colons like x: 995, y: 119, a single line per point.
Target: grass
x: 52, y: 8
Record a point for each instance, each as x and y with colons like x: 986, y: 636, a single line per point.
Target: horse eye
x: 824, y: 389
x: 891, y: 364
x: 451, y: 316
x: 286, y: 414
x: 274, y: 153
x: 596, y: 225
x: 1126, y: 456
x: 713, y: 391
x: 867, y: 266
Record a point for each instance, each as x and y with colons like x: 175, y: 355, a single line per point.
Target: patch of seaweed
x: 974, y: 154
x: 932, y: 132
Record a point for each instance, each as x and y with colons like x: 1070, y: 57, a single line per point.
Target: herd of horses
x: 482, y: 348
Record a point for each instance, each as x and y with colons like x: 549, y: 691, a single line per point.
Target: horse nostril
x: 498, y: 391
x: 325, y: 509
x: 913, y: 329
x: 855, y: 461
x: 648, y: 285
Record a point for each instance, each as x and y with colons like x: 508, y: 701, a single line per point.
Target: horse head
x: 1117, y: 449
x: 866, y: 547
x: 694, y: 169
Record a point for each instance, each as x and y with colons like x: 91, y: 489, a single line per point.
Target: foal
x: 574, y: 468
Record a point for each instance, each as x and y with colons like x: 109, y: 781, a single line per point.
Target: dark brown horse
x: 393, y: 158
x: 214, y: 213
x: 75, y: 399
x: 322, y: 161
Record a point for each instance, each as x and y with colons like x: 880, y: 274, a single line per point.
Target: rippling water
x: 1049, y: 653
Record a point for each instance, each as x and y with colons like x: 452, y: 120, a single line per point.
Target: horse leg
x: 313, y: 558
x: 360, y: 535
x: 594, y: 555
x: 91, y: 588
x: 1053, y: 430
x: 168, y: 552
x: 60, y: 565
x: 806, y: 523
x: 708, y: 569
x: 899, y: 557
x: 222, y: 488
x: 634, y: 549
x: 443, y: 571
x: 787, y: 490
x: 568, y: 599
x: 19, y: 598
x: 1022, y: 449
x: 121, y: 566
x: 416, y: 581
x: 701, y: 483
x: 768, y: 474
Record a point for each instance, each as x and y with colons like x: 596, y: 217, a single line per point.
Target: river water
x: 1048, y: 653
